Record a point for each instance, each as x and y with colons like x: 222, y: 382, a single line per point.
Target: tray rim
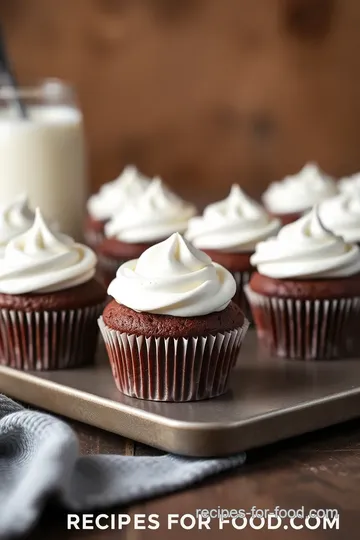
x: 191, y: 438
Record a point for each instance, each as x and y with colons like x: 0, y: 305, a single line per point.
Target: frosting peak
x: 15, y: 218
x: 350, y: 184
x: 305, y: 249
x: 299, y: 192
x: 235, y: 224
x: 154, y: 215
x: 341, y: 215
x: 173, y: 278
x: 41, y: 261
x: 114, y: 195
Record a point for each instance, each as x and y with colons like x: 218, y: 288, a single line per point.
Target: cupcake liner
x: 242, y: 279
x: 307, y: 329
x: 46, y: 340
x: 172, y: 369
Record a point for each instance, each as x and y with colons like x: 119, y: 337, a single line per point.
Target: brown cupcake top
x: 116, y: 249
x: 88, y: 294
x: 93, y: 224
x: 124, y: 319
x: 235, y: 262
x: 309, y: 289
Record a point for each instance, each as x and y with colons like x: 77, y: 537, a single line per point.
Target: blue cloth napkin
x: 39, y: 459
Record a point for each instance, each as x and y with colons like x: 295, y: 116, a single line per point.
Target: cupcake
x: 341, y: 215
x: 349, y: 184
x: 146, y: 220
x: 305, y: 296
x: 49, y: 301
x: 112, y: 196
x: 295, y: 195
x: 172, y: 332
x: 15, y: 218
x: 228, y: 232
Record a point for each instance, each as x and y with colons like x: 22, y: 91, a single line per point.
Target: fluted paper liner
x: 242, y: 279
x: 307, y: 329
x: 46, y: 340
x: 172, y: 369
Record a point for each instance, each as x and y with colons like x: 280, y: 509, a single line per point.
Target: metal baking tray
x: 268, y: 400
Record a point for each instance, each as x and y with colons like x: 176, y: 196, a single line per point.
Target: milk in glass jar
x: 42, y: 155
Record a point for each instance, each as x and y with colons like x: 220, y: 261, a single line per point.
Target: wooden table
x: 320, y: 470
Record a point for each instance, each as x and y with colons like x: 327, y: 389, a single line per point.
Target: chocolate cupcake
x: 49, y: 301
x: 295, y: 195
x: 112, y: 196
x: 228, y: 232
x: 148, y: 219
x: 172, y: 332
x: 341, y: 215
x: 305, y: 297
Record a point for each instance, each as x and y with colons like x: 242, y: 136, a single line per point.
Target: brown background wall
x: 203, y: 92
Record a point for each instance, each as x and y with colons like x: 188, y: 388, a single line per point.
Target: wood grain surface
x: 202, y: 92
x: 206, y: 93
x: 321, y: 470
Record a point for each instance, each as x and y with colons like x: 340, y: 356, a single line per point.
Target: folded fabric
x: 39, y: 459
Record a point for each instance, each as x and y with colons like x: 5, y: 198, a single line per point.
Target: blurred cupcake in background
x: 147, y: 219
x: 172, y: 332
x: 349, y: 184
x: 228, y: 232
x: 297, y: 194
x: 341, y: 215
x: 111, y: 197
x: 15, y: 218
x: 305, y: 295
x: 49, y: 301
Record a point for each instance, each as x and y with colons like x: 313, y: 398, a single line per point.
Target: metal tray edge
x: 190, y: 439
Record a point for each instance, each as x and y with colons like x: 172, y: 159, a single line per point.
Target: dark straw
x: 6, y: 69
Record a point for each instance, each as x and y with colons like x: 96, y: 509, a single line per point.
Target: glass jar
x: 42, y: 154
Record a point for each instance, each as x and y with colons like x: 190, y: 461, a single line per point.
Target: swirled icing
x: 341, y: 215
x: 153, y: 216
x: 300, y: 192
x: 306, y: 249
x: 235, y: 224
x: 173, y: 278
x: 15, y: 218
x: 40, y: 261
x: 114, y: 195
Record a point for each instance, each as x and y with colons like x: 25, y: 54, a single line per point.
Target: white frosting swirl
x: 173, y: 278
x: 305, y: 249
x: 299, y: 192
x: 15, y: 218
x: 341, y: 215
x: 235, y: 224
x: 154, y: 215
x: 350, y: 184
x: 113, y: 195
x: 40, y: 261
